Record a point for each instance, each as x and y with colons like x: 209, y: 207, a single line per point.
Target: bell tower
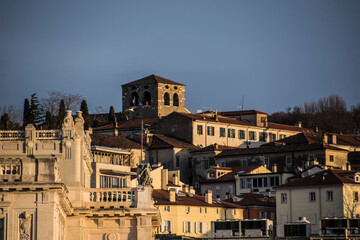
x: 153, y: 96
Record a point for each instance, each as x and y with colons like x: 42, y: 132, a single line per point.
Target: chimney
x: 172, y: 194
x: 216, y: 116
x: 183, y: 188
x: 274, y: 168
x: 164, y: 179
x: 334, y: 139
x: 325, y: 139
x: 298, y: 124
x: 208, y: 197
x: 192, y: 191
x: 176, y: 180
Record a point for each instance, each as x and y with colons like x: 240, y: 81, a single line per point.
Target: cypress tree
x: 36, y: 110
x: 112, y: 115
x: 49, y: 123
x: 62, y: 113
x: 86, y: 115
x: 28, y: 117
x: 5, y: 123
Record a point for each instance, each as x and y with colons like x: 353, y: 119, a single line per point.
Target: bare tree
x: 351, y: 200
x: 52, y: 103
x: 15, y: 113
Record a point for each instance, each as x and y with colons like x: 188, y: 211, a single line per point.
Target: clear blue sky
x: 276, y: 53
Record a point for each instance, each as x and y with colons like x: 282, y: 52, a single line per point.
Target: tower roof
x: 153, y: 79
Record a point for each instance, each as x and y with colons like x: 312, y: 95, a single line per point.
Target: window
x: 272, y: 137
x: 331, y: 158
x: 177, y: 161
x: 166, y: 226
x: 312, y: 197
x: 262, y: 214
x: 243, y: 183
x: 283, y: 198
x: 231, y: 133
x: 263, y: 137
x: 112, y: 182
x: 241, y: 134
x: 187, y: 209
x: 206, y: 163
x: 282, y: 136
x: 252, y: 135
x: 187, y: 227
x: 175, y: 100
x: 329, y: 196
x: 222, y: 132
x: 356, y: 196
x: 166, y: 208
x: 166, y: 99
x: 288, y: 160
x: 134, y: 99
x: 146, y: 99
x: 199, y: 129
x: 216, y: 211
x: 210, y: 131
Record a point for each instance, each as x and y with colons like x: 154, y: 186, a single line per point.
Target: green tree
x: 5, y: 123
x: 36, y: 110
x: 61, y: 114
x: 28, y: 116
x: 112, y: 115
x: 86, y: 115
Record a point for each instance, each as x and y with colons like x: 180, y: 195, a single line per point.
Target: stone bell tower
x: 153, y: 96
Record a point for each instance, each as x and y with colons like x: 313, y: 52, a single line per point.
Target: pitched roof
x: 253, y: 199
x: 327, y: 177
x: 228, y: 177
x: 275, y: 149
x: 131, y: 123
x: 287, y: 127
x: 153, y: 79
x: 243, y: 112
x: 348, y: 139
x: 112, y: 141
x: 162, y: 197
x: 161, y: 141
x: 212, y: 119
x: 213, y: 148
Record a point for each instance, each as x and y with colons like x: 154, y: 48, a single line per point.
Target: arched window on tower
x: 134, y: 99
x: 147, y: 99
x: 175, y: 100
x: 166, y: 99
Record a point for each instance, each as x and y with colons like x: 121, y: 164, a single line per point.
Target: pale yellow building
x: 186, y: 214
x: 329, y: 193
x: 54, y: 187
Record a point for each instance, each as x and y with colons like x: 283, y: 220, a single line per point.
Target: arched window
x: 166, y: 99
x: 134, y: 99
x: 175, y: 100
x: 147, y: 99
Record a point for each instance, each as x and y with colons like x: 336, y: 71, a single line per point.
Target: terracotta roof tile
x: 238, y: 113
x: 213, y: 148
x: 253, y: 199
x: 231, y: 175
x: 161, y: 197
x: 327, y: 177
x: 153, y: 79
x: 112, y: 141
x: 162, y: 141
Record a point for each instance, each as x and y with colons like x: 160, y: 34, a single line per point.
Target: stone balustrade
x: 39, y: 134
x: 111, y: 197
x: 12, y: 135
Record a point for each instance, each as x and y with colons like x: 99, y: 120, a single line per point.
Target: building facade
x: 46, y: 189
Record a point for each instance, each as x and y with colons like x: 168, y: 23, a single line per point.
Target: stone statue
x: 143, y: 174
x: 25, y: 226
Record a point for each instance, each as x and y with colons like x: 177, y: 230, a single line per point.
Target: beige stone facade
x: 46, y: 189
x: 153, y: 96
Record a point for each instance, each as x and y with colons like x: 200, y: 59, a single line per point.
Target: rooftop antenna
x: 241, y: 106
